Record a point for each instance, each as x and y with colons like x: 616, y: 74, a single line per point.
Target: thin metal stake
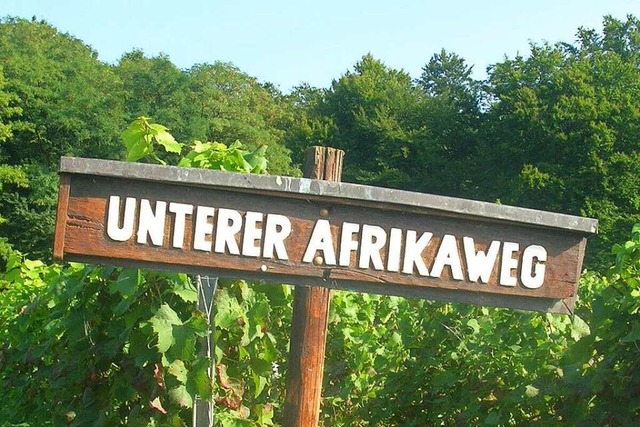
x: 203, y: 411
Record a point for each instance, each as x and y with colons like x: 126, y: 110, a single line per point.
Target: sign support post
x: 203, y: 410
x: 310, y: 316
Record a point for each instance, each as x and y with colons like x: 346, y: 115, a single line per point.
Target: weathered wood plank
x: 83, y: 231
x: 87, y: 211
x: 61, y: 216
x: 305, y: 188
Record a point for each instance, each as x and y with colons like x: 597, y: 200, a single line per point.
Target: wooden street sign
x: 312, y: 232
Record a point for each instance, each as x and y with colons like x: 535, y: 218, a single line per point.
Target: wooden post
x: 310, y: 316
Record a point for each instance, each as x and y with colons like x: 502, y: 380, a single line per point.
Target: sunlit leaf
x: 163, y: 322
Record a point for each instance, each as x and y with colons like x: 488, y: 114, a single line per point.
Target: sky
x: 288, y: 42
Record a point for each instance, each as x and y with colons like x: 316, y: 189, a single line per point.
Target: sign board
x: 311, y: 232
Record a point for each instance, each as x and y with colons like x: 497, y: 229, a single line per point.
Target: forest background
x: 556, y: 129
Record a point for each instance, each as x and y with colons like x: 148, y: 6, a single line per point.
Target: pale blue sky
x: 287, y: 42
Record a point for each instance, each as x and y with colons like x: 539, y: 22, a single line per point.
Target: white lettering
x: 363, y: 246
x: 252, y: 234
x: 321, y: 240
x: 114, y: 231
x: 413, y: 252
x: 508, y: 263
x: 203, y: 229
x: 448, y: 255
x: 480, y: 264
x: 395, y: 246
x: 373, y: 240
x: 347, y: 243
x: 181, y: 210
x: 228, y: 225
x: 532, y: 276
x: 277, y: 229
x: 151, y: 223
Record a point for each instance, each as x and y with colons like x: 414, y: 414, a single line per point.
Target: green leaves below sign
x: 127, y: 282
x: 163, y: 323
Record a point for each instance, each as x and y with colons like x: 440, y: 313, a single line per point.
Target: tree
x: 307, y: 123
x: 451, y: 115
x: 373, y: 108
x: 70, y: 100
x: 562, y: 132
x: 10, y: 175
x: 70, y: 106
x: 227, y: 105
x: 155, y: 87
x: 447, y: 75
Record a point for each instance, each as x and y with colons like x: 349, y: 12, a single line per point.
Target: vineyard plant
x: 105, y: 346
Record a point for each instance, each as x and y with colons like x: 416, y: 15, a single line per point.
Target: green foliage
x: 209, y: 102
x: 214, y: 155
x: 102, y: 345
x: 554, y: 130
x: 252, y: 327
x: 451, y: 118
x: 111, y: 346
x: 228, y: 105
x: 30, y: 213
x: 372, y: 109
x: 307, y: 124
x: 70, y: 101
x: 56, y: 99
x: 155, y: 87
x: 140, y: 136
x: 396, y: 361
x: 563, y: 130
x: 8, y: 110
x: 10, y: 175
x: 601, y: 385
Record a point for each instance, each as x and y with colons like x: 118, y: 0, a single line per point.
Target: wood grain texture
x: 61, y: 216
x: 305, y: 368
x: 85, y: 235
x: 81, y: 236
x: 340, y: 192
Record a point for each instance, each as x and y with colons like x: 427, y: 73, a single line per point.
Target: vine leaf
x: 163, y: 323
x: 181, y: 396
x: 178, y: 370
x: 184, y: 289
x: 127, y: 282
x: 579, y: 328
x: 137, y: 140
x: 164, y: 138
x: 257, y: 159
x: 228, y: 310
x: 139, y: 136
x: 198, y: 380
x: 531, y: 391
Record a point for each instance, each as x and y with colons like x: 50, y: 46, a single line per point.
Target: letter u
x: 114, y: 231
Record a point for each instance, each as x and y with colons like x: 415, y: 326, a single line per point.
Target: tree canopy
x: 555, y: 129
